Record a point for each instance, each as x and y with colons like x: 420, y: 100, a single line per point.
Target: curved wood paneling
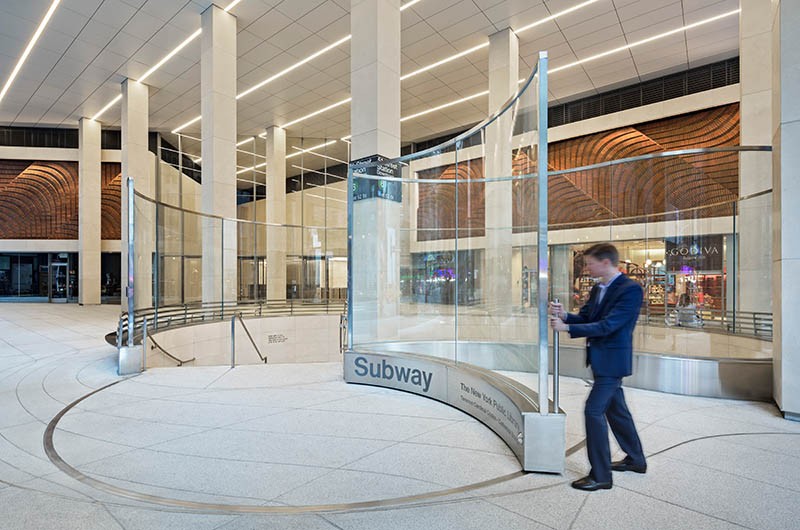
x: 436, y: 215
x: 40, y: 201
x: 110, y: 201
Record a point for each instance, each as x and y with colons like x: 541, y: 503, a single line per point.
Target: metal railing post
x: 556, y: 346
x: 144, y: 344
x: 131, y: 260
x: 233, y: 341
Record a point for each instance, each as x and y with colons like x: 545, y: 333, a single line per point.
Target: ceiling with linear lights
x: 90, y: 46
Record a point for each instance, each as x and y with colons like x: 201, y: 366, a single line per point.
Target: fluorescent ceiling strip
x: 29, y: 47
x: 440, y: 107
x: 251, y: 168
x: 644, y: 41
x: 463, y: 53
x: 301, y: 151
x: 160, y: 63
x: 294, y: 66
x: 445, y: 60
x: 592, y: 58
x: 554, y: 16
x: 486, y: 44
x: 315, y: 113
x: 245, y: 141
x: 409, y: 4
x: 190, y: 122
x: 326, y: 157
x: 171, y: 54
x: 108, y: 106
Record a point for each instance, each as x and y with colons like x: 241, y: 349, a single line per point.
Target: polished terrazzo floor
x: 283, y: 436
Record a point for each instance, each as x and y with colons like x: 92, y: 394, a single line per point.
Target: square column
x: 375, y: 126
x: 755, y: 169
x: 137, y: 162
x: 89, y: 270
x: 276, y: 213
x: 503, y: 77
x: 218, y: 149
x: 785, y: 196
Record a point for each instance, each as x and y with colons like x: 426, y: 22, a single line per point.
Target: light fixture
x: 440, y: 107
x: 159, y: 64
x: 245, y: 141
x: 592, y: 58
x: 171, y: 54
x: 301, y: 151
x: 294, y: 66
x: 108, y: 106
x: 251, y: 168
x: 190, y: 122
x: 645, y: 41
x: 486, y: 44
x: 409, y: 4
x: 555, y: 16
x: 317, y: 112
x: 29, y: 47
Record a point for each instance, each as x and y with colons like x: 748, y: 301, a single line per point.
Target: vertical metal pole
x: 541, y: 249
x: 233, y: 341
x: 131, y: 260
x: 144, y: 344
x: 555, y: 367
x: 349, y: 256
x: 157, y: 257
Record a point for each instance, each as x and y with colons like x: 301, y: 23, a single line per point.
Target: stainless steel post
x: 131, y: 261
x: 555, y: 367
x: 144, y: 344
x: 233, y: 340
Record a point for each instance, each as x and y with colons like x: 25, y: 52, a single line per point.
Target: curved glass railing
x: 434, y: 239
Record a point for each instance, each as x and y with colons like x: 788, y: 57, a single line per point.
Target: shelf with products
x: 656, y: 288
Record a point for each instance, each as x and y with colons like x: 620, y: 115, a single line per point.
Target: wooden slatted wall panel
x: 110, y: 214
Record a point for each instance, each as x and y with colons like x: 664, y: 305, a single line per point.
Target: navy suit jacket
x: 608, y: 327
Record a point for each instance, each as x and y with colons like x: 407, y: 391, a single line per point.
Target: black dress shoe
x: 625, y: 465
x: 590, y: 484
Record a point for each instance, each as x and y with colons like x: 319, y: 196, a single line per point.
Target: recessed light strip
x: 644, y: 41
x: 171, y: 54
x: 440, y: 107
x: 554, y: 16
x: 301, y: 151
x: 320, y: 111
x: 245, y: 170
x: 29, y: 47
x: 108, y: 106
x: 160, y: 63
x: 190, y: 122
x: 486, y: 44
x: 592, y: 58
x: 294, y: 66
x: 409, y: 4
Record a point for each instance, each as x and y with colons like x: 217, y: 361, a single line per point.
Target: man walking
x: 607, y: 321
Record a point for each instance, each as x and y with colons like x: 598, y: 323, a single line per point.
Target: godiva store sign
x: 694, y: 253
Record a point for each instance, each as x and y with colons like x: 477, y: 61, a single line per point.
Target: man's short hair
x: 603, y: 251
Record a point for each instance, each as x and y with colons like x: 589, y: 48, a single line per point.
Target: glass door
x: 58, y: 282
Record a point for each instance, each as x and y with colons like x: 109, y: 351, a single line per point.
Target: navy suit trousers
x: 606, y: 406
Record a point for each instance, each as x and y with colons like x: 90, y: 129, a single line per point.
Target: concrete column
x: 137, y: 162
x: 375, y: 126
x: 89, y: 275
x: 218, y: 149
x: 276, y: 213
x: 785, y: 195
x: 755, y: 169
x: 503, y: 77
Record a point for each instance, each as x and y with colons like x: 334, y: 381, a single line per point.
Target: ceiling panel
x: 91, y: 45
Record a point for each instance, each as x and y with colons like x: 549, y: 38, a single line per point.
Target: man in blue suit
x: 607, y: 321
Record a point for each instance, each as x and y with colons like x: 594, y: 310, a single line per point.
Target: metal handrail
x: 189, y: 314
x: 249, y: 336
x: 180, y: 362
